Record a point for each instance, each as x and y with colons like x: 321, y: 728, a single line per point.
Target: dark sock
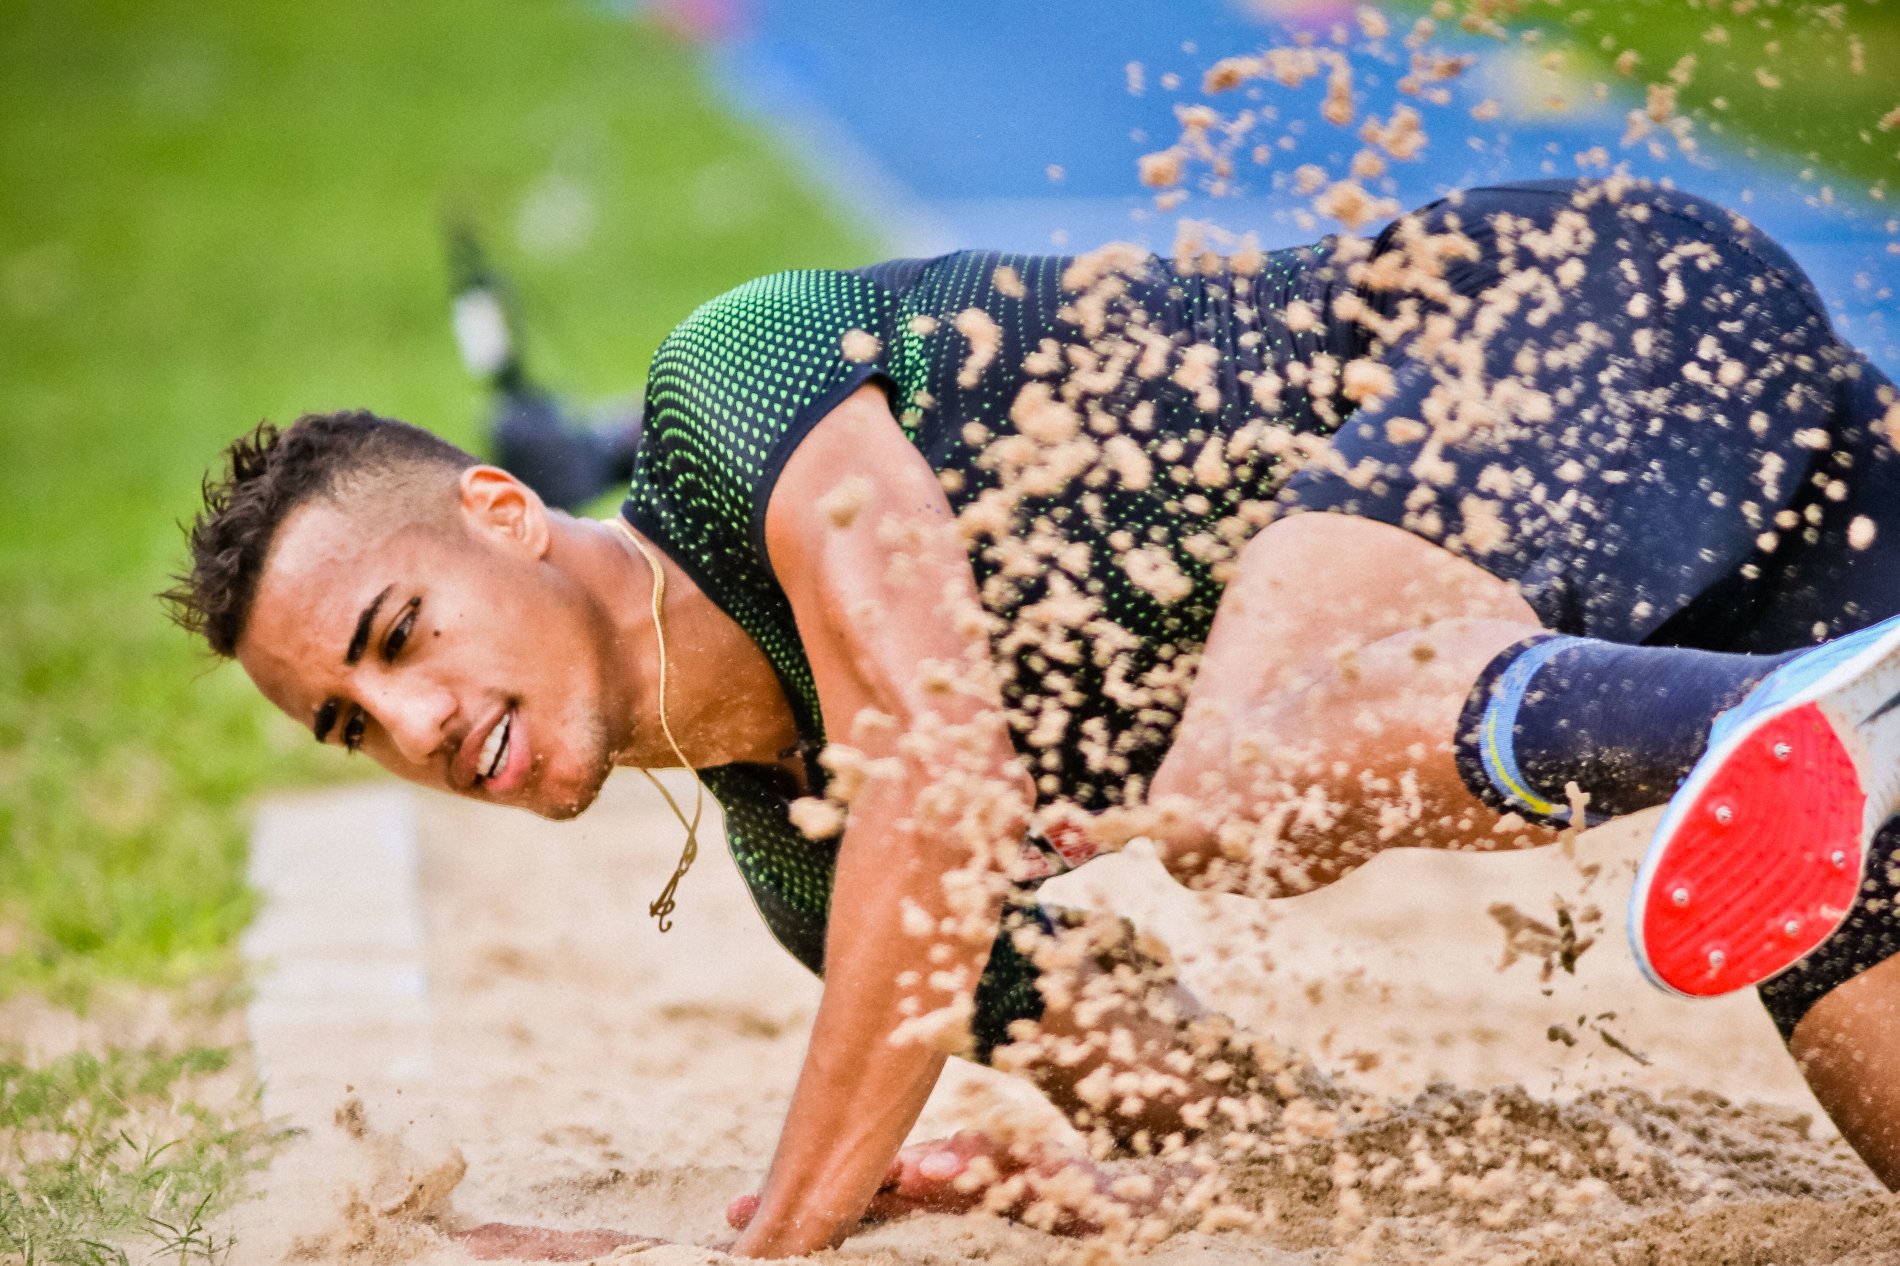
x: 1625, y: 723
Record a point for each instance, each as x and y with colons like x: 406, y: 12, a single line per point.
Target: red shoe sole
x: 1763, y: 866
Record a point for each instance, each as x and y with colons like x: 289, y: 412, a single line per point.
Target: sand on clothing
x: 586, y: 1071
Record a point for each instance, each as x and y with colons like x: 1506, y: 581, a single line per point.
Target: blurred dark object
x: 565, y: 455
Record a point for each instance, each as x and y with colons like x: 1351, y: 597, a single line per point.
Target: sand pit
x: 587, y: 1072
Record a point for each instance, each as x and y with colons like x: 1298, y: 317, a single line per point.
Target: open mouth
x: 494, y: 757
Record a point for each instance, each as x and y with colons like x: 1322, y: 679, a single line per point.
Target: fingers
x: 942, y: 1166
x: 954, y: 1175
x: 926, y: 1177
x: 740, y: 1210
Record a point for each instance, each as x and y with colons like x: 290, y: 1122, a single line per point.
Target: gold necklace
x: 662, y: 908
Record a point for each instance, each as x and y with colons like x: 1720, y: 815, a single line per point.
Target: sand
x: 586, y: 1071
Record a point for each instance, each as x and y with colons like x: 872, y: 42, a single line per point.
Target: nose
x: 413, y: 711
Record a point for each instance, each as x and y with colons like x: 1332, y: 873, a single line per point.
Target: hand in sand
x: 956, y: 1174
x: 494, y: 1241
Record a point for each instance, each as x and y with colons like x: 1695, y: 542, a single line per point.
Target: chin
x: 558, y: 804
x: 562, y: 812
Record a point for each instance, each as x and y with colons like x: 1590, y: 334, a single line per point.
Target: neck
x: 723, y: 701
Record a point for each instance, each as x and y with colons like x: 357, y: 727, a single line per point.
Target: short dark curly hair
x: 269, y: 473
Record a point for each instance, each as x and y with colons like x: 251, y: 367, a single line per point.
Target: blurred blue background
x: 1012, y: 125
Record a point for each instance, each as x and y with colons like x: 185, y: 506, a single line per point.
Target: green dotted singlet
x: 1108, y: 434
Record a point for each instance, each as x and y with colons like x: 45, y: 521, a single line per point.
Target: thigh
x: 1605, y: 401
x: 1311, y: 589
x: 1835, y: 562
x: 1320, y: 726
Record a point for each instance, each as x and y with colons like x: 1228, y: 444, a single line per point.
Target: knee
x: 1182, y: 809
x: 1241, y: 806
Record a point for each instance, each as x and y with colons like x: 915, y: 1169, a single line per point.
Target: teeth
x: 495, y: 750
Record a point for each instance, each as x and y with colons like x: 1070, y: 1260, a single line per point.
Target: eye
x: 353, y: 732
x: 399, y: 635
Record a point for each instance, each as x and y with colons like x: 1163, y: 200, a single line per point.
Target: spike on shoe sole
x: 1763, y: 863
x: 1805, y: 769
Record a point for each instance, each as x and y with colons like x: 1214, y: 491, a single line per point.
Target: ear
x: 498, y: 506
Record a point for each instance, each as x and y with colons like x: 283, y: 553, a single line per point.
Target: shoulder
x: 736, y: 386
x: 747, y: 366
x: 805, y: 313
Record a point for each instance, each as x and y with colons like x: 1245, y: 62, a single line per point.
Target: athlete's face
x: 453, y: 652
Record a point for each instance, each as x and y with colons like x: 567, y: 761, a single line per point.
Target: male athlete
x: 946, y: 574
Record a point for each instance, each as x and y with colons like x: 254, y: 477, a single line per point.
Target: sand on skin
x: 590, y: 1072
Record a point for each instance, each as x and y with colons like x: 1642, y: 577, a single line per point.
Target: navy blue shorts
x: 1632, y: 406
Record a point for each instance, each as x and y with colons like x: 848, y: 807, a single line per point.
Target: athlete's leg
x: 1848, y: 1047
x: 1760, y: 853
x: 1839, y: 1011
x: 1551, y: 437
x: 1331, y: 721
x: 1319, y: 728
x: 1825, y: 586
x: 1623, y: 724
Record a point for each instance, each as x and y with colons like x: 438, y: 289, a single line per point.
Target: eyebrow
x: 359, y: 640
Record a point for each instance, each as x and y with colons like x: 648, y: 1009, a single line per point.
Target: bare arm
x: 1131, y: 1057
x: 863, y: 542
x: 1848, y: 1047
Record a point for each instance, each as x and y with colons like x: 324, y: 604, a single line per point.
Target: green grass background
x: 214, y: 212
x: 1823, y: 113
x: 102, y: 1149
x: 220, y: 210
